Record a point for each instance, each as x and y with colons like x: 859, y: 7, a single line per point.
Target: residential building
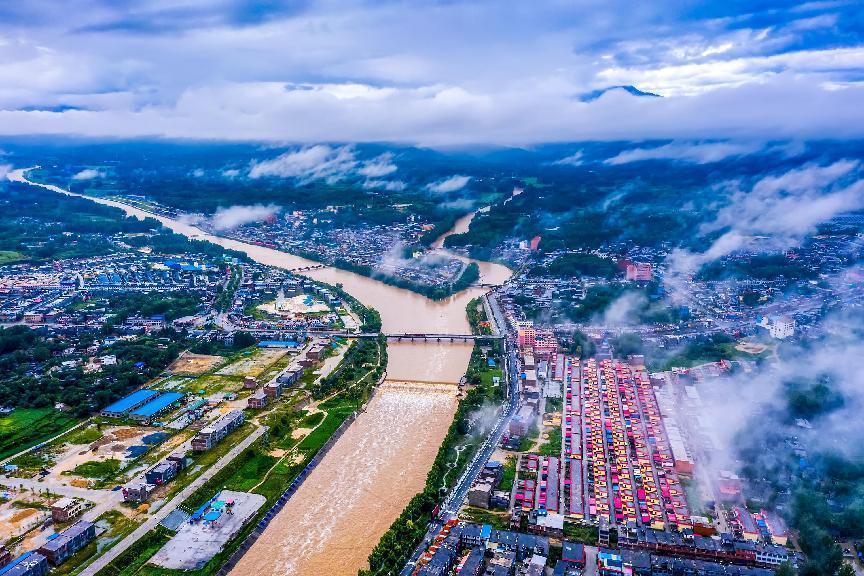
x: 211, y: 435
x: 66, y: 509
x: 68, y: 542
x: 257, y: 400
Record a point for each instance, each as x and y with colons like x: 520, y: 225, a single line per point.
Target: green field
x: 9, y: 256
x: 26, y: 427
x: 86, y: 435
x: 99, y: 469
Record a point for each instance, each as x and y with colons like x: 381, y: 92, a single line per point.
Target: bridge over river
x: 397, y: 336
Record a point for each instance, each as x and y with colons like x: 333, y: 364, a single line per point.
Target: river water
x: 331, y: 524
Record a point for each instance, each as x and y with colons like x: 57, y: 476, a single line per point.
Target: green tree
x: 244, y: 340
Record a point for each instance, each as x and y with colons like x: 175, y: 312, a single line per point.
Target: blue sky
x: 435, y: 73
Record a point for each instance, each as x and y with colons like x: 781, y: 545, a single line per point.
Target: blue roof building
x: 156, y: 406
x: 130, y: 402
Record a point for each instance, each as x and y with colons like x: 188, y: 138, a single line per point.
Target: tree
x: 244, y: 340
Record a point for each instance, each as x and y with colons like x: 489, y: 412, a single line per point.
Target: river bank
x: 382, y: 460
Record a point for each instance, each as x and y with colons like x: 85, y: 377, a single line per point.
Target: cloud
x: 4, y: 170
x: 389, y: 185
x: 234, y: 216
x: 88, y: 174
x: 789, y: 206
x: 360, y: 71
x: 451, y: 184
x: 733, y: 405
x: 319, y: 162
x: 192, y: 219
x: 230, y: 173
x: 377, y: 167
x: 696, y: 153
x: 461, y: 204
x: 785, y: 208
x: 197, y: 173
x: 574, y: 159
x: 625, y: 309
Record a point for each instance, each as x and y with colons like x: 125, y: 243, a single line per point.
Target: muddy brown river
x: 331, y: 524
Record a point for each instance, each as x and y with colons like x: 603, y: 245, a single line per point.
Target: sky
x: 432, y: 73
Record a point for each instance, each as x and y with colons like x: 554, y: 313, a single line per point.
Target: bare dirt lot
x: 15, y: 520
x: 194, y: 364
x: 751, y: 347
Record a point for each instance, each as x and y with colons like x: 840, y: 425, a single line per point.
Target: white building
x: 782, y: 327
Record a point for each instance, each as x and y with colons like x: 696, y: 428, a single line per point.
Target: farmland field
x: 26, y: 427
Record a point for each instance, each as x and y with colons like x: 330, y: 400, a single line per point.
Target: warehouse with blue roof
x: 124, y: 405
x: 156, y: 406
x: 28, y: 564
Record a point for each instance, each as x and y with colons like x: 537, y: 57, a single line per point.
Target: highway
x: 150, y: 523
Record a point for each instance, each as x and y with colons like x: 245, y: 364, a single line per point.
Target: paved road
x: 454, y: 500
x: 460, y: 490
x: 169, y: 507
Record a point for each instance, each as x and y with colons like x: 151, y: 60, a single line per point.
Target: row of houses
x: 211, y: 435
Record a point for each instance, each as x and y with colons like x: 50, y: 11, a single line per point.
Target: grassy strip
x: 498, y: 520
x: 508, y: 476
x: 552, y: 447
x: 131, y: 561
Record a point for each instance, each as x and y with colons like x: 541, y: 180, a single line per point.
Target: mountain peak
x: 630, y: 89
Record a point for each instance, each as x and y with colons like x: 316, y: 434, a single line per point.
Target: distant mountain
x: 595, y: 94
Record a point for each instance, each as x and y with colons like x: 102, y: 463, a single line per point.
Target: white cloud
x: 198, y: 173
x: 389, y: 185
x: 234, y: 216
x: 784, y: 108
x: 319, y: 162
x: 230, y: 173
x: 451, y: 184
x: 785, y: 208
x: 88, y: 174
x: 704, y: 152
x: 378, y: 167
x: 574, y: 159
x: 689, y: 78
x: 427, y: 73
x: 697, y: 153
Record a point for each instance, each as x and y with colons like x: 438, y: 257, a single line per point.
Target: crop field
x: 254, y: 364
x: 26, y: 427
